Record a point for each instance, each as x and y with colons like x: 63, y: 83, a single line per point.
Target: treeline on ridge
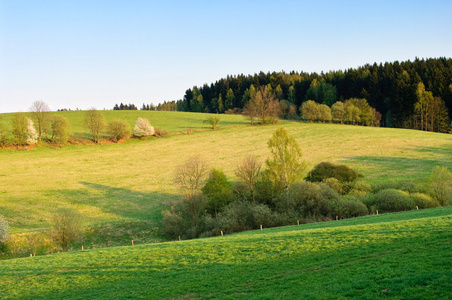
x: 407, y: 94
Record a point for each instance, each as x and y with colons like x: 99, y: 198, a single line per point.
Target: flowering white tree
x: 143, y: 128
x: 32, y: 136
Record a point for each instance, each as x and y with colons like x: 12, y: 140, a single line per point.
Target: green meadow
x: 403, y: 255
x: 125, y: 186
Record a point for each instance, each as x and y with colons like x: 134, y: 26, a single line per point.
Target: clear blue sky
x: 82, y: 54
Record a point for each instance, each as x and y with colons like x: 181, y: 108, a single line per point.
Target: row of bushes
x: 57, y: 129
x: 320, y: 200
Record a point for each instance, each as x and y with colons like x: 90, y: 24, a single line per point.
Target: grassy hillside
x: 401, y: 256
x: 127, y: 185
x: 169, y: 121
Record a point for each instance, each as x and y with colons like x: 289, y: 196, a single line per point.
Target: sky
x: 83, y: 54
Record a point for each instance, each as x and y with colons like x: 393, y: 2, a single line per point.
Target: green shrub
x: 119, y: 129
x: 185, y: 218
x: 241, y: 216
x: 389, y: 200
x: 61, y: 129
x: 359, y: 188
x: 334, y: 184
x: 440, y: 185
x: 309, y: 200
x: 218, y: 190
x: 424, y: 201
x: 325, y: 170
x: 404, y: 185
x: 348, y: 207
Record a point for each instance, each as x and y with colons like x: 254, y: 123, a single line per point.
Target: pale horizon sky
x: 83, y: 54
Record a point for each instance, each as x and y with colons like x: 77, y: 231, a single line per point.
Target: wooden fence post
x: 132, y: 242
x: 377, y: 212
x: 261, y: 226
x: 298, y: 222
x: 221, y: 232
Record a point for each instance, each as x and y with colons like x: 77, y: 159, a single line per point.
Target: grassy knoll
x: 400, y: 256
x: 127, y: 185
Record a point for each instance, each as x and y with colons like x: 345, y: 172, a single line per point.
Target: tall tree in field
x: 421, y: 105
x: 66, y: 227
x: 263, y: 106
x: 248, y: 170
x: 285, y: 166
x: 95, y: 122
x: 291, y: 97
x: 41, y: 113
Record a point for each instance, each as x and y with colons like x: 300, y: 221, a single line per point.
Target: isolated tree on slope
x: 95, y: 121
x: 143, y: 128
x: 285, y: 167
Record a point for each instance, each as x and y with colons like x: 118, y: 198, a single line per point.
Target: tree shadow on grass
x: 124, y: 203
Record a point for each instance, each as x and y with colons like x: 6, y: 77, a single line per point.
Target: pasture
x: 399, y: 255
x: 126, y: 186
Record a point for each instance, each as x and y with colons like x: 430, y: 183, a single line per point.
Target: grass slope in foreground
x: 400, y: 255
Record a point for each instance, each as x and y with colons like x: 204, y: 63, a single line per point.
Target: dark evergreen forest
x: 391, y: 88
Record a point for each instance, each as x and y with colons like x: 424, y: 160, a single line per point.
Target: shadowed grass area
x: 404, y: 255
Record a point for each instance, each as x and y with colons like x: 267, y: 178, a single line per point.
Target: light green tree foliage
x: 352, y: 113
x: 248, y: 94
x: 94, y: 121
x: 119, y: 129
x: 66, y: 227
x: 19, y: 125
x: 325, y: 113
x: 337, y: 111
x: 61, y: 129
x: 263, y: 106
x: 365, y: 110
x: 230, y: 100
x: 310, y: 111
x: 213, y: 121
x: 285, y: 166
x: 441, y: 185
x: 218, y: 190
x: 322, y: 92
x: 421, y: 105
x: 143, y: 128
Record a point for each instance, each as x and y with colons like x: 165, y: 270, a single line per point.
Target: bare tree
x: 41, y: 112
x: 191, y: 176
x: 248, y: 170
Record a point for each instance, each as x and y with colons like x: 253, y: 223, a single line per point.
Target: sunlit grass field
x: 403, y: 255
x: 132, y: 181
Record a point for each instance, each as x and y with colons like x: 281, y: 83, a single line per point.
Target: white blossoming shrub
x: 143, y: 128
x: 31, y: 133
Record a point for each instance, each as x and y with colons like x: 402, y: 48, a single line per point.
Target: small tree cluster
x: 119, y: 129
x: 262, y: 105
x: 351, y: 111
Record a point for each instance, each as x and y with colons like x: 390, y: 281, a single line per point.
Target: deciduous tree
x: 41, y: 113
x: 94, y: 121
x: 61, y: 129
x: 66, y: 227
x: 248, y: 170
x: 263, y: 106
x: 285, y: 166
x: 143, y: 128
x: 119, y: 129
x: 310, y: 111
